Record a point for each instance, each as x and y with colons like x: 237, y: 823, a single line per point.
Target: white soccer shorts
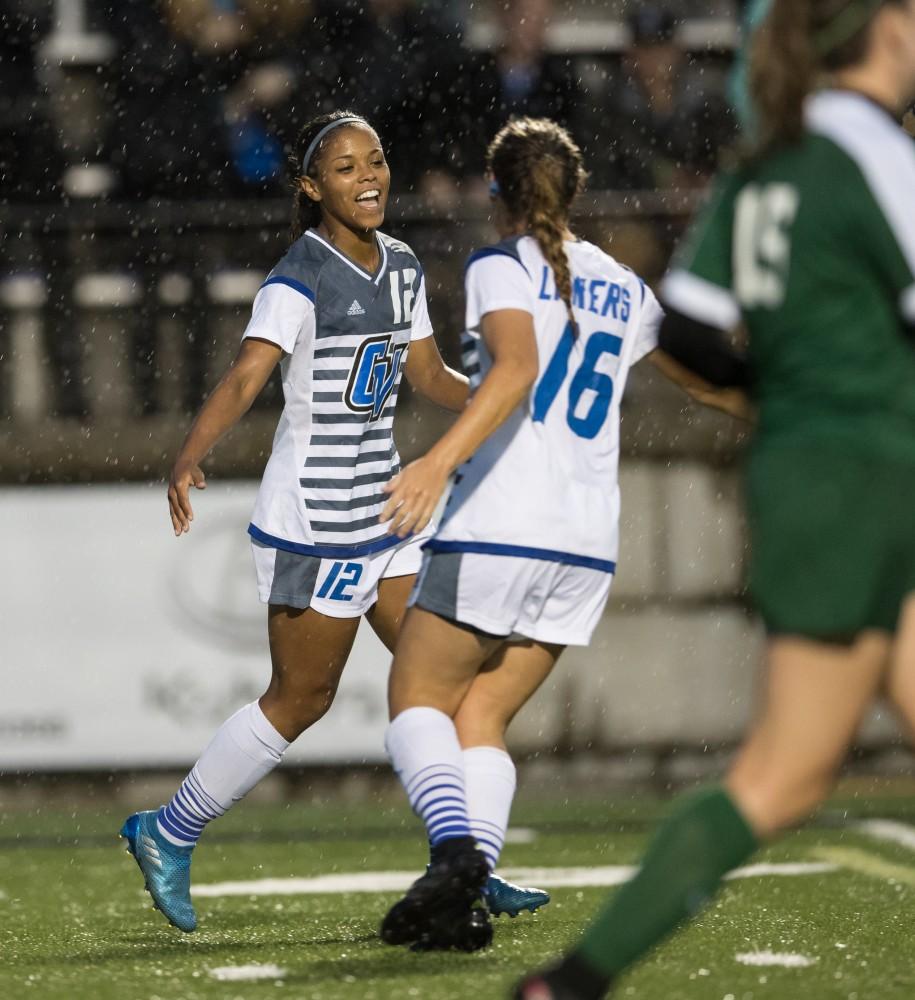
x: 514, y: 596
x: 339, y: 588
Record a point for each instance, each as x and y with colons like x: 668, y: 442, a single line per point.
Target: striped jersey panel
x: 349, y: 456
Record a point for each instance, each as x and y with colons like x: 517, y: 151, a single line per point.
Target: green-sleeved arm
x: 699, y: 283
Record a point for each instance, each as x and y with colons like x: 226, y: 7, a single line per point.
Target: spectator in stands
x: 518, y: 77
x: 25, y: 123
x: 666, y: 131
x: 166, y: 138
x: 411, y: 51
x: 31, y: 169
x: 205, y: 94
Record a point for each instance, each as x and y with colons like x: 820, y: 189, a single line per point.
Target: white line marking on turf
x: 888, y: 829
x: 867, y: 864
x: 784, y: 959
x: 520, y: 835
x: 784, y: 869
x: 547, y: 878
x: 247, y: 973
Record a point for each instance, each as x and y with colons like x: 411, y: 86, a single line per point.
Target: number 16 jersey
x: 545, y: 485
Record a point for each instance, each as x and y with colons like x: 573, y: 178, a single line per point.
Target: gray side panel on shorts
x: 437, y: 589
x: 294, y: 579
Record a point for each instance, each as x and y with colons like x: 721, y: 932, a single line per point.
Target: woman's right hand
x: 184, y: 475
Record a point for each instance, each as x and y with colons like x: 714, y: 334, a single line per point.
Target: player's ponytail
x: 306, y: 213
x: 539, y: 172
x: 783, y: 71
x: 799, y: 42
x: 548, y: 217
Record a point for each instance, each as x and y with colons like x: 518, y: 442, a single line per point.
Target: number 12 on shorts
x: 341, y: 577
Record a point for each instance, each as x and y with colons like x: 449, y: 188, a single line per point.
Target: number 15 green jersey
x: 813, y: 245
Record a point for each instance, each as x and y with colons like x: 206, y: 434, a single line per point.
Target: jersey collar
x: 382, y: 264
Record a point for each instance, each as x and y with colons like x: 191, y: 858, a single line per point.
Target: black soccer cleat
x: 445, y: 895
x: 457, y: 931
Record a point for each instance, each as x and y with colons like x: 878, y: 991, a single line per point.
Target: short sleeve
x: 649, y: 326
x: 885, y: 157
x: 496, y: 281
x: 422, y: 325
x: 699, y: 284
x: 281, y: 314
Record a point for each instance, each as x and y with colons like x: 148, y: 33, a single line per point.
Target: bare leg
x: 309, y: 651
x: 505, y: 684
x: 814, y: 699
x: 387, y: 614
x: 454, y: 655
x: 900, y: 685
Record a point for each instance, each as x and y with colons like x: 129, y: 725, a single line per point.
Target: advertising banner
x: 125, y: 647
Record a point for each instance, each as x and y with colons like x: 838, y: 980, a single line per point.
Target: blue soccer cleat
x: 503, y: 897
x: 165, y: 867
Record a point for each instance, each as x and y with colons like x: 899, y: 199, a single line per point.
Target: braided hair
x: 540, y: 171
x: 306, y: 213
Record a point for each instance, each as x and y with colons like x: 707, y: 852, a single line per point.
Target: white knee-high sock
x: 245, y: 748
x: 489, y: 780
x: 424, y: 750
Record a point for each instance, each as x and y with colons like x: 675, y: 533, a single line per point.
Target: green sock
x: 701, y: 841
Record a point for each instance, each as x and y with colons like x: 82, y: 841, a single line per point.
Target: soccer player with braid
x: 344, y: 316
x: 810, y: 242
x: 522, y: 562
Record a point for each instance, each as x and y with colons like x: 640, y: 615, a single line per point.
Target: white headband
x: 306, y: 159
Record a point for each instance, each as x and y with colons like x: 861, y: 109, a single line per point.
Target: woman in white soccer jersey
x: 522, y: 563
x: 343, y: 314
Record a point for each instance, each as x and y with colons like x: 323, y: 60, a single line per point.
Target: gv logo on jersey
x: 374, y: 375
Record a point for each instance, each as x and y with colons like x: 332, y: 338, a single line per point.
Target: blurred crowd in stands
x: 203, y: 98
x: 136, y: 102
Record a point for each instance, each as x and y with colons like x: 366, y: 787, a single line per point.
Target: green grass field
x: 75, y: 923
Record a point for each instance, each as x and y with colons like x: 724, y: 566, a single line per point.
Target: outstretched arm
x: 732, y: 401
x: 225, y: 406
x: 432, y: 378
x: 701, y: 360
x: 510, y: 340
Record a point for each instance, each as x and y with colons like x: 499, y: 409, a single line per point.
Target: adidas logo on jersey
x: 355, y: 309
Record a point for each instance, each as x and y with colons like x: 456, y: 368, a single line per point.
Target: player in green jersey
x: 811, y: 243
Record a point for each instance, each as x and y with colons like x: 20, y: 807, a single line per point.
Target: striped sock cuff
x: 437, y: 797
x: 182, y: 821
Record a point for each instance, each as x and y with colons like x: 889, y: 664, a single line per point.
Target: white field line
x: 770, y: 958
x: 867, y: 864
x: 547, y: 878
x: 888, y: 830
x: 247, y: 973
x: 520, y: 835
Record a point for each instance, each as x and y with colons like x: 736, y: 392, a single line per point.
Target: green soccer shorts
x: 832, y: 540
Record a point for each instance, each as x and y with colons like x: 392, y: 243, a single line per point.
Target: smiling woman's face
x: 351, y: 178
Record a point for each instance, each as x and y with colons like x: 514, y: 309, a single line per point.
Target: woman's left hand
x: 413, y: 496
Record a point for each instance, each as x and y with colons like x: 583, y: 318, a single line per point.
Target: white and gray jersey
x: 345, y: 334
x: 544, y: 485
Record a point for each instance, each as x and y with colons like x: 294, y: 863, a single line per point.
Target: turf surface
x: 75, y: 923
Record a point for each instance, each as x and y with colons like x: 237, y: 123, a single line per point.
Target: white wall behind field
x: 124, y: 647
